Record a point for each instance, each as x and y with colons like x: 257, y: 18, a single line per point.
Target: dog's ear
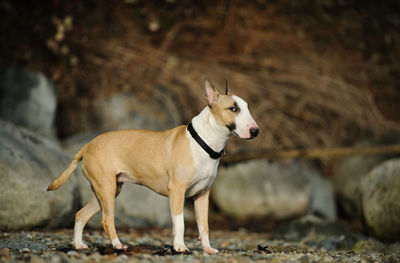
x: 227, y: 89
x: 211, y: 92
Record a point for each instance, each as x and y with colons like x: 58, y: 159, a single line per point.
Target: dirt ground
x: 315, y: 244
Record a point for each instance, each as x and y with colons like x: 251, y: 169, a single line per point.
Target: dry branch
x: 314, y: 153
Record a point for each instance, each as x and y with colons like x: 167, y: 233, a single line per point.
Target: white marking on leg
x: 78, y: 242
x: 204, y: 237
x: 116, y: 243
x: 205, y: 241
x: 200, y: 227
x: 179, y: 229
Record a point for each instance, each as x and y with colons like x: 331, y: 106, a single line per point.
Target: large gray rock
x: 280, y: 190
x: 28, y: 163
x: 136, y: 206
x: 349, y: 172
x: 380, y: 197
x: 123, y: 110
x: 28, y: 99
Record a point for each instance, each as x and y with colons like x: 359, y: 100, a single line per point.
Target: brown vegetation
x: 310, y: 73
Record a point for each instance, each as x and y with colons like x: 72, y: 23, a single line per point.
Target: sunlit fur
x: 169, y: 162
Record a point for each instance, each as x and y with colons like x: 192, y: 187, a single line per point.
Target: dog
x: 177, y: 163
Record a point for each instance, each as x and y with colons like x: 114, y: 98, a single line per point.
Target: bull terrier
x: 177, y: 163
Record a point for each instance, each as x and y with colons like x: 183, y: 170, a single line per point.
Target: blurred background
x: 316, y: 74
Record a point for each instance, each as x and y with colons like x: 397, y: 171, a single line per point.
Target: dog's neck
x: 215, y: 135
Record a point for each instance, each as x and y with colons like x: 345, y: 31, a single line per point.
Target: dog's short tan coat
x: 168, y: 162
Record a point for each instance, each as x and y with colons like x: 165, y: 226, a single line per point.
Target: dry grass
x: 301, y: 96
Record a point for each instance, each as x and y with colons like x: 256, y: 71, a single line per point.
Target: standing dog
x: 178, y: 163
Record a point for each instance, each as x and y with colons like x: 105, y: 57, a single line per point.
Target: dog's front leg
x: 177, y: 200
x: 201, y: 210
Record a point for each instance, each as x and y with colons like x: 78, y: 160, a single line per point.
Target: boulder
x: 349, y: 171
x: 123, y: 110
x: 380, y: 197
x: 277, y: 189
x: 28, y: 99
x: 28, y: 163
x: 136, y: 206
x: 322, y: 200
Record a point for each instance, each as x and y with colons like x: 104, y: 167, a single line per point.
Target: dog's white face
x: 232, y: 112
x: 246, y: 127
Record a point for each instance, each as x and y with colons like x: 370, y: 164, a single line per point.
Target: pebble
x: 72, y: 253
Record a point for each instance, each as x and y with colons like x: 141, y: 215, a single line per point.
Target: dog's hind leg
x: 106, y: 194
x: 81, y: 217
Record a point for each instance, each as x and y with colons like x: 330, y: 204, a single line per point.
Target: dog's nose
x: 254, y: 132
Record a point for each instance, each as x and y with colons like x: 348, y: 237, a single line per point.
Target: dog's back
x: 139, y: 156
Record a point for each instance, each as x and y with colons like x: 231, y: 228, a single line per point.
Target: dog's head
x: 231, y: 111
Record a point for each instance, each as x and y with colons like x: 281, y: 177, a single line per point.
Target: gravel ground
x: 154, y: 246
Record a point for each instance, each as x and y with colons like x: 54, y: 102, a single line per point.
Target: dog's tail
x: 59, y: 181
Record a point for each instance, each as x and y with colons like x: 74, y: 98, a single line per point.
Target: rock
x: 136, y: 206
x: 380, y: 197
x: 393, y: 248
x: 28, y: 163
x: 281, y: 190
x: 368, y: 245
x: 314, y: 230
x: 343, y: 242
x: 350, y: 170
x: 73, y: 144
x: 124, y: 111
x: 322, y: 201
x: 28, y: 99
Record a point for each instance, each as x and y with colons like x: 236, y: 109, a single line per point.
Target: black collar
x: 213, y: 154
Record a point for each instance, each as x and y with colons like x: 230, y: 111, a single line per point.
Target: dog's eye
x: 233, y: 109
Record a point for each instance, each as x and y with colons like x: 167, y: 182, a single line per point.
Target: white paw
x: 209, y: 250
x: 80, y: 246
x: 181, y: 248
x: 120, y: 247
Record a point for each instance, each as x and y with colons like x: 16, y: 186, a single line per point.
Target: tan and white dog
x: 178, y: 163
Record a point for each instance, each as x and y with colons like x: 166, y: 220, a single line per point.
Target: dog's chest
x: 205, y: 171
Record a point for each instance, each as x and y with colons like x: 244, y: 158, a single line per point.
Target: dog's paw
x: 80, y: 246
x: 209, y: 250
x: 181, y: 249
x: 121, y: 247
